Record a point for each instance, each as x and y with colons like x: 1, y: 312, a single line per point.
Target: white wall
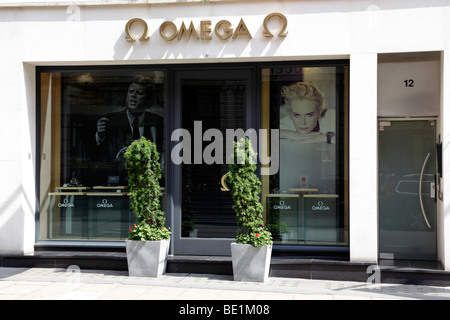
x: 318, y: 29
x: 17, y: 169
x: 363, y: 180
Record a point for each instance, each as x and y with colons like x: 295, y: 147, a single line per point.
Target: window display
x: 88, y: 119
x: 304, y: 201
x: 89, y: 116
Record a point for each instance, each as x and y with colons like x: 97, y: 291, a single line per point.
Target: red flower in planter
x: 257, y: 235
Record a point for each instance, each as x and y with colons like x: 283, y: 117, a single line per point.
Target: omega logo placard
x: 105, y: 204
x: 320, y: 207
x: 282, y: 206
x: 223, y: 29
x: 66, y: 204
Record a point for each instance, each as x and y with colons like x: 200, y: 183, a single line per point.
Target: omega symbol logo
x: 143, y: 36
x: 66, y: 204
x: 137, y: 29
x: 282, y: 206
x: 105, y: 204
x: 320, y: 207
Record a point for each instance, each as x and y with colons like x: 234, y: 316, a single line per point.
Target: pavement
x: 76, y: 284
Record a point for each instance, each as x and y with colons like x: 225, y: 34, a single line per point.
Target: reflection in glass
x: 321, y: 219
x: 284, y: 219
x: 403, y: 149
x: 214, y: 104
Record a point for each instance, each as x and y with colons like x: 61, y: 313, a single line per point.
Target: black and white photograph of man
x: 117, y: 130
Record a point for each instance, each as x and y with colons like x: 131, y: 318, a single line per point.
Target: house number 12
x: 409, y: 83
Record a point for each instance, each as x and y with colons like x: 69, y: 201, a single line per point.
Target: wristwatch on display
x: 330, y: 134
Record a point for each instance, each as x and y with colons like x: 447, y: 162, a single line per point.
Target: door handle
x: 433, y: 190
x: 420, y: 190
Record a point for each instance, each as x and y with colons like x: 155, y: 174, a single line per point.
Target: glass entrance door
x: 407, y: 206
x: 210, y: 103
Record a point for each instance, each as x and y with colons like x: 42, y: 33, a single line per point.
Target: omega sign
x: 223, y: 29
x: 282, y: 206
x: 66, y: 204
x: 320, y: 207
x: 105, y: 204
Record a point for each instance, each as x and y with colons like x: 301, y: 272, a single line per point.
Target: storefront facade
x: 345, y: 106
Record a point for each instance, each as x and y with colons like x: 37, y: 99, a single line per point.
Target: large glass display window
x: 306, y: 200
x: 88, y: 116
x: 87, y: 120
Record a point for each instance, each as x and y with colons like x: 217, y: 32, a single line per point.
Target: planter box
x: 147, y: 258
x: 250, y: 263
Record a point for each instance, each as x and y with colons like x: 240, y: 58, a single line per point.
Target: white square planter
x: 147, y: 258
x: 250, y: 263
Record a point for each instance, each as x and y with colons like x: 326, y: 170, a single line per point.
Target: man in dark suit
x: 116, y: 131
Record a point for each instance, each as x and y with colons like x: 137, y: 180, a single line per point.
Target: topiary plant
x: 245, y: 190
x: 144, y: 172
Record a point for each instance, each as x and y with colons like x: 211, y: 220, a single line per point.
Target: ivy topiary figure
x: 245, y: 190
x: 144, y: 172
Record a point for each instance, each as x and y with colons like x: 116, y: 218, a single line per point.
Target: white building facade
x: 372, y: 188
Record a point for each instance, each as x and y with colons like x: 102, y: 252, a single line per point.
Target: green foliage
x: 145, y: 232
x: 245, y: 190
x: 259, y: 239
x: 278, y: 228
x: 144, y: 172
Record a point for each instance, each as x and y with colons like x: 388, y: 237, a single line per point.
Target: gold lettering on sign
x: 205, y: 30
x: 189, y: 32
x: 283, y: 18
x: 128, y: 32
x: 170, y: 25
x: 242, y: 30
x: 225, y: 27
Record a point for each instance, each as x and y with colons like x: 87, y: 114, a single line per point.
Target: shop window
x: 306, y: 201
x: 85, y: 128
x: 86, y: 125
